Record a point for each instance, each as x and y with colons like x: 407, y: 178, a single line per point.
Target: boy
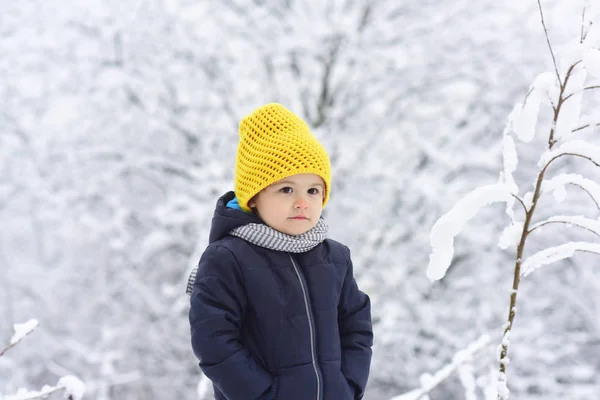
x: 275, y: 310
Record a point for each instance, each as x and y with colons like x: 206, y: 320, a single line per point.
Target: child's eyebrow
x: 293, y: 183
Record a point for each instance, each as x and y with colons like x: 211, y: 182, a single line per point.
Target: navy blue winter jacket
x: 263, y: 331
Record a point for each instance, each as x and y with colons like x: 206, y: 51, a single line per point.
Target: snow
x: 509, y: 155
x: 450, y: 225
x: 506, y: 338
x: 571, y: 220
x: 528, y: 200
x: 428, y: 381
x: 511, y: 235
x: 592, y: 32
x: 24, y: 394
x: 547, y: 85
x: 557, y: 186
x: 524, y: 116
x: 580, y: 147
x: 73, y: 387
x: 557, y: 253
x: 510, y: 162
x: 416, y: 394
x: 502, y: 388
x: 570, y: 111
x: 591, y: 60
x: 22, y: 330
x: 466, y: 375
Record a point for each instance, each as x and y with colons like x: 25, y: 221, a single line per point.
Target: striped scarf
x: 269, y: 238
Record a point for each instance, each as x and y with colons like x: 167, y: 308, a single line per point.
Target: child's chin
x: 295, y: 232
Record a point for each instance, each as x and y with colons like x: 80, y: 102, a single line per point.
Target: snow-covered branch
x: 558, y: 183
x: 73, y: 387
x: 431, y: 382
x: 557, y: 253
x: 578, y: 148
x: 576, y: 220
x: 21, y: 330
x: 451, y: 224
x: 584, y: 126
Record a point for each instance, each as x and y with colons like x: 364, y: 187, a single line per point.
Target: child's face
x: 291, y: 205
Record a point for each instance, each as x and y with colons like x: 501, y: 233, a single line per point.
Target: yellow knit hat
x: 274, y: 144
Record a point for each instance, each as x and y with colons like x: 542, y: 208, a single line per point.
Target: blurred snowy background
x: 118, y: 131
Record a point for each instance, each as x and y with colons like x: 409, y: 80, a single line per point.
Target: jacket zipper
x: 310, y: 326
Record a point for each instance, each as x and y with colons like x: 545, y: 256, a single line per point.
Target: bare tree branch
x: 561, y: 100
x: 520, y: 201
x: 460, y: 358
x: 28, y: 327
x: 581, y: 37
x: 569, y: 154
x: 588, y: 192
x: 584, y: 126
x: 548, y: 40
x: 539, y: 225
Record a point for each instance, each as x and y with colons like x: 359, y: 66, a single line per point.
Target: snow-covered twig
x: 459, y: 359
x: 557, y: 253
x: 73, y: 387
x: 584, y: 126
x: 448, y: 226
x: 21, y: 330
x: 548, y: 41
x: 579, y: 221
x: 558, y: 183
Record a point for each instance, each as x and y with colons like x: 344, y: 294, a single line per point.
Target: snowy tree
x: 562, y: 90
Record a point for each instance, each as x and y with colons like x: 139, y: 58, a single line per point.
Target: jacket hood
x: 225, y: 219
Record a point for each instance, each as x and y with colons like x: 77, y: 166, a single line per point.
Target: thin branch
x: 459, y: 358
x: 584, y: 126
x: 569, y: 154
x: 592, y: 87
x: 548, y: 40
x: 539, y: 225
x: 582, y: 23
x: 29, y: 327
x: 588, y: 251
x: 564, y: 85
x: 517, y: 270
x: 591, y: 196
x: 42, y: 394
x: 558, y: 253
x: 561, y: 100
x: 520, y: 201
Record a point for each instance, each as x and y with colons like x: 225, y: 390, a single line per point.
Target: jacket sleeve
x: 217, y: 306
x: 356, y: 334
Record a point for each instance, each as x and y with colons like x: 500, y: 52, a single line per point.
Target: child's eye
x: 313, y: 191
x: 286, y: 189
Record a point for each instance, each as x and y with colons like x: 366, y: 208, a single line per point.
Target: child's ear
x: 252, y: 203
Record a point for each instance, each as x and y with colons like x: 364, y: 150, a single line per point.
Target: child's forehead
x: 301, y: 179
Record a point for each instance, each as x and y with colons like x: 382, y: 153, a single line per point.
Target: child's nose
x: 301, y: 204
